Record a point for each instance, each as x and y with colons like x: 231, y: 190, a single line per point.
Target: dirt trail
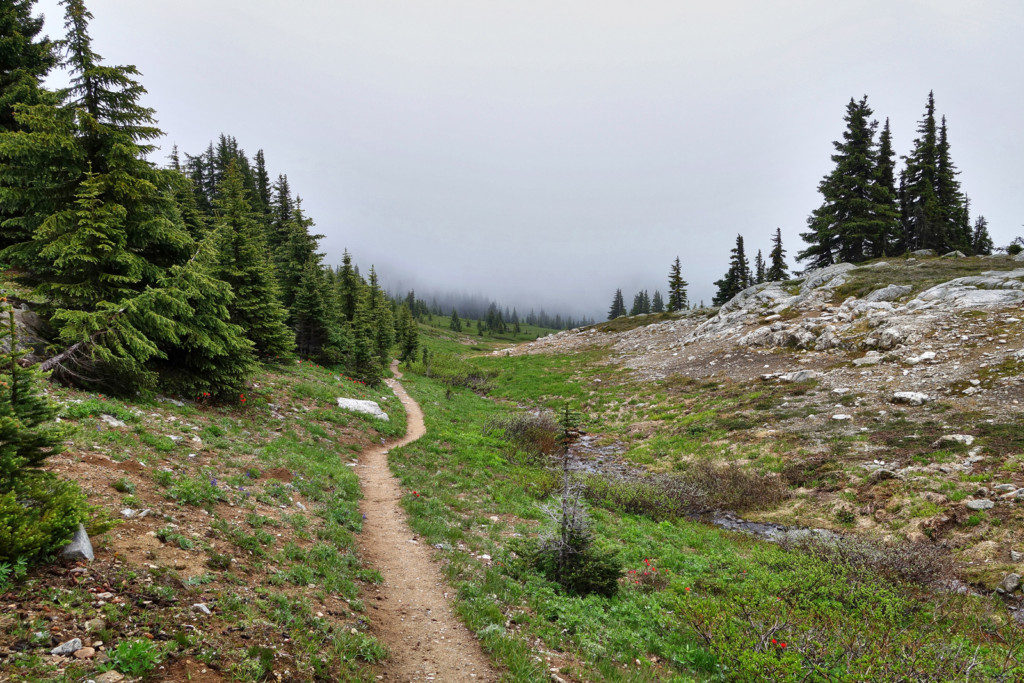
x: 410, y: 611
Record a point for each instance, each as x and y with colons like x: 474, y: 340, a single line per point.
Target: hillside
x: 887, y: 394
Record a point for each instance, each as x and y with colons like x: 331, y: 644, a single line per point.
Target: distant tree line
x: 493, y: 316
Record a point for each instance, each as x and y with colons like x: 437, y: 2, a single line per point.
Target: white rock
x: 927, y: 355
x: 870, y: 358
x: 914, y: 398
x: 965, y: 439
x: 980, y: 504
x: 800, y: 376
x: 842, y: 417
x: 365, y: 407
x: 888, y: 293
x: 202, y: 608
x: 112, y: 421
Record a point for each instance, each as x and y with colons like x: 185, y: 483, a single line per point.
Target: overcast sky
x: 548, y: 152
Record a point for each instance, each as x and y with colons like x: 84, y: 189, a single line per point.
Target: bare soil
x: 410, y: 611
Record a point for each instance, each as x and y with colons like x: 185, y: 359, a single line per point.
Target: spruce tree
x: 856, y: 214
x: 759, y: 272
x: 299, y: 246
x: 777, y: 268
x: 923, y: 220
x: 888, y: 239
x: 365, y: 363
x: 244, y: 264
x: 981, y: 242
x: 638, y: 304
x: 349, y: 285
x: 676, y: 287
x: 737, y: 278
x: 38, y: 511
x: 25, y: 59
x: 657, y: 303
x: 618, y: 308
x: 384, y: 322
x: 408, y: 335
x: 310, y: 314
x: 953, y: 205
x: 455, y: 324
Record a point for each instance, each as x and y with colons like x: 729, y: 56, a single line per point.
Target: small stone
x: 128, y: 513
x: 1004, y: 488
x: 842, y: 417
x: 202, y: 608
x: 980, y: 504
x: 85, y: 653
x: 1016, y: 556
x: 105, y: 595
x: 109, y: 677
x: 882, y: 475
x: 800, y: 376
x: 79, y: 549
x: 67, y: 647
x: 94, y: 625
x: 1010, y: 583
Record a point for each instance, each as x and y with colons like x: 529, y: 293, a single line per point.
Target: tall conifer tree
x: 677, y: 300
x: 777, y: 268
x: 737, y: 278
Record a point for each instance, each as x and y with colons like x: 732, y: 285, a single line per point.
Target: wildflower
x: 774, y: 642
x: 687, y: 589
x: 783, y: 645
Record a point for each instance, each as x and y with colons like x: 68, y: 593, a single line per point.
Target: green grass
x: 727, y: 595
x: 920, y: 275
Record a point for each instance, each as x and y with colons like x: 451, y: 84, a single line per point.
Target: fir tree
x: 676, y: 287
x: 310, y: 314
x: 365, y: 363
x: 737, y: 278
x: 657, y: 303
x: 777, y: 269
x: 618, y: 308
x: 888, y: 239
x: 956, y: 226
x: 25, y: 59
x: 207, y: 352
x: 38, y: 511
x: 981, y: 242
x: 349, y: 284
x: 921, y: 209
x: 759, y: 272
x: 299, y: 246
x: 408, y: 334
x: 384, y: 325
x: 855, y: 214
x: 245, y: 265
x: 455, y: 324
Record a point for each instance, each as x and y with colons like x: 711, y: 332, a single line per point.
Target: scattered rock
x: 914, y: 398
x: 94, y: 625
x: 923, y: 252
x: 954, y: 254
x: 1016, y: 556
x: 842, y: 417
x: 66, y: 648
x: 202, y: 608
x: 927, y: 355
x: 1010, y: 583
x: 980, y: 504
x: 888, y: 293
x: 109, y: 677
x: 371, y: 408
x: 112, y: 421
x: 882, y: 474
x: 79, y: 549
x: 870, y: 358
x: 85, y: 653
x: 800, y: 376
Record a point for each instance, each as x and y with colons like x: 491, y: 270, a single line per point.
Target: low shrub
x: 534, y: 435
x: 38, y: 514
x: 455, y: 372
x: 913, y: 562
x: 701, y: 487
x: 135, y: 657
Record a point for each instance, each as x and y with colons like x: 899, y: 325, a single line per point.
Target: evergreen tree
x: 920, y: 206
x: 384, y: 325
x: 206, y: 351
x: 455, y: 325
x: 956, y: 225
x: 759, y: 272
x: 856, y: 213
x: 981, y: 242
x: 25, y: 59
x: 657, y: 303
x: 618, y: 306
x: 888, y: 240
x: 245, y: 265
x: 737, y: 278
x: 408, y: 334
x: 365, y: 363
x: 38, y: 511
x: 310, y: 314
x: 299, y: 246
x: 263, y: 189
x: 676, y: 287
x: 348, y: 283
x: 777, y: 269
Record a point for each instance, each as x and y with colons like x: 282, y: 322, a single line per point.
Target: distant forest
x: 479, y: 307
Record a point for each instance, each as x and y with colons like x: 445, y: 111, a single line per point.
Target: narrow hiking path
x: 410, y: 610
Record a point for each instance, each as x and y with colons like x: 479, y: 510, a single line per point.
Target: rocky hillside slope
x: 910, y: 424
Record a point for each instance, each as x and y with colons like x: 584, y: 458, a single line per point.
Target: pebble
x: 85, y: 653
x: 202, y: 608
x: 67, y: 647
